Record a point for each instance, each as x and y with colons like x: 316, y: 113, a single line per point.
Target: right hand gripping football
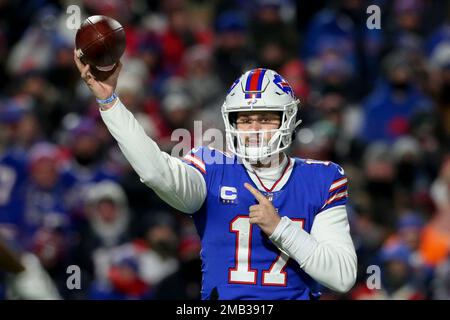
x: 100, y: 89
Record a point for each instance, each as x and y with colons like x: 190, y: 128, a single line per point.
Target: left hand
x: 264, y: 213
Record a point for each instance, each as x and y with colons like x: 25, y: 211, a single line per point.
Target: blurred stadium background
x: 375, y: 101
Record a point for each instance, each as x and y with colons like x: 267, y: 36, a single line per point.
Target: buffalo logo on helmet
x: 283, y: 84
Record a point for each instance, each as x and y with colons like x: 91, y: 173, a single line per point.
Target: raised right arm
x: 174, y: 181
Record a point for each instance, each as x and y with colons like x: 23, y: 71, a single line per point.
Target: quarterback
x: 271, y: 226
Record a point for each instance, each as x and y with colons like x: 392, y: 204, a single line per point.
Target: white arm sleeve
x: 327, y: 254
x: 174, y: 181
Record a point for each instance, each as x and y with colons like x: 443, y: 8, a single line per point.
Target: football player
x: 271, y: 226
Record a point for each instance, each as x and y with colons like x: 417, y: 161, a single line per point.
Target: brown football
x: 100, y: 42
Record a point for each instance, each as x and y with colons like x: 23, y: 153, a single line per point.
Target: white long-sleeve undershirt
x: 327, y: 253
x: 178, y: 184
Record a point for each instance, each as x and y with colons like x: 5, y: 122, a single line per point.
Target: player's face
x: 263, y: 121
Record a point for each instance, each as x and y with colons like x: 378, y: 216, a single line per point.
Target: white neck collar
x: 266, y: 178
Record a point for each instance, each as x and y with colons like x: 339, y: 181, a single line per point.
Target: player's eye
x: 243, y: 121
x: 268, y: 120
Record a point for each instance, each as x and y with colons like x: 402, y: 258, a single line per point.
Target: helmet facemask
x: 262, y: 90
x: 261, y: 145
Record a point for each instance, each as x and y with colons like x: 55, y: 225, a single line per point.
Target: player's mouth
x: 253, y: 142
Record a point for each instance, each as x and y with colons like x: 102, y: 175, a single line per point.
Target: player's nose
x: 255, y: 125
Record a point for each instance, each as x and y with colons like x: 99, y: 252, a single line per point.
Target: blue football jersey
x: 238, y: 260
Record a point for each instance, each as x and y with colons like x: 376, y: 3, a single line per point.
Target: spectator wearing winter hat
x: 46, y: 223
x: 108, y: 214
x: 405, y: 26
x: 107, y: 226
x: 86, y: 165
x: 391, y: 107
x: 43, y: 205
x: 136, y: 267
x: 19, y: 125
x: 409, y: 232
x: 396, y: 277
x: 178, y: 108
x: 124, y: 282
x: 342, y: 25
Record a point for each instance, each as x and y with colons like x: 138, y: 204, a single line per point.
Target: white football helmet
x: 260, y: 90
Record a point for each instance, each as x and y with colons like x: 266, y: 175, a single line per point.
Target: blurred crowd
x: 376, y: 101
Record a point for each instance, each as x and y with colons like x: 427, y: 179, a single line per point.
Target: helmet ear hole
x: 286, y: 140
x: 294, y: 133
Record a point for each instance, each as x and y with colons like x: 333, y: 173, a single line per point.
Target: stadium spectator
x: 394, y: 103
